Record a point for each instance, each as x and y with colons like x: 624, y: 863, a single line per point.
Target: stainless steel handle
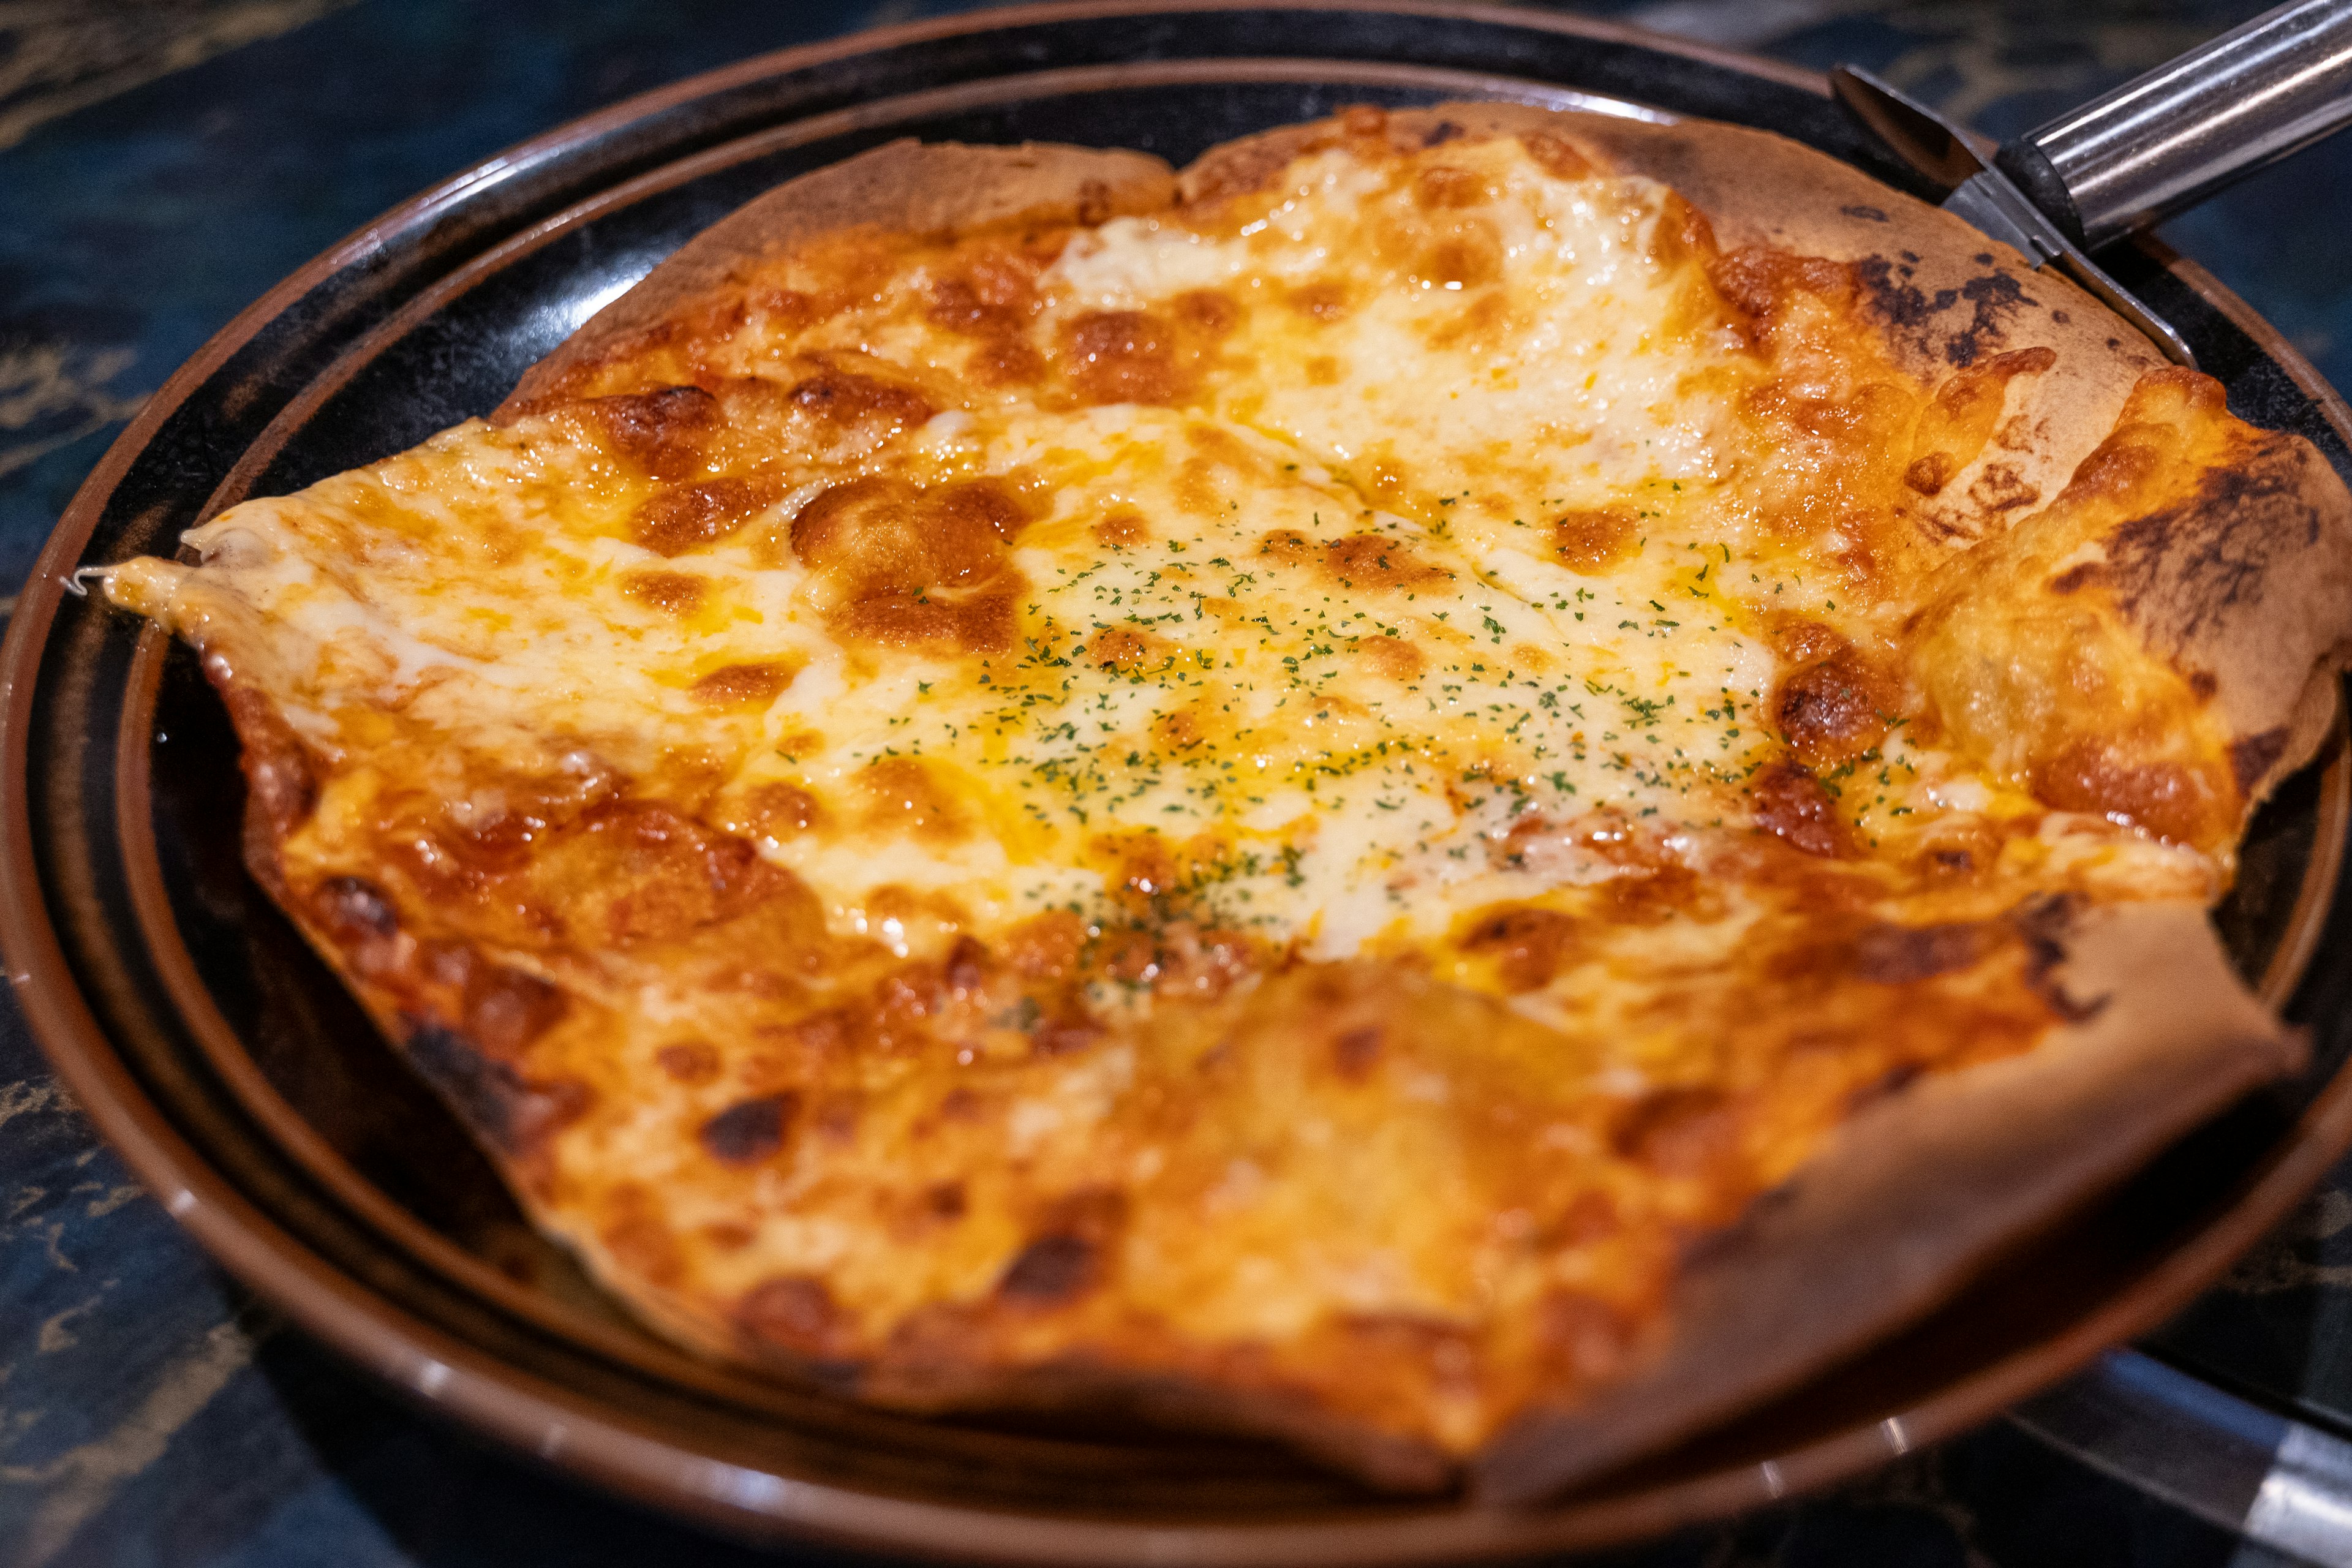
x: 2172, y: 138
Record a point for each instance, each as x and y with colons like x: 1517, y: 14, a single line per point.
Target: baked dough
x: 1470, y: 786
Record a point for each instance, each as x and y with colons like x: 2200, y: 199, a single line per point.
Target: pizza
x: 1468, y: 786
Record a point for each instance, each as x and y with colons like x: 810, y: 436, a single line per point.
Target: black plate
x: 243, y: 1084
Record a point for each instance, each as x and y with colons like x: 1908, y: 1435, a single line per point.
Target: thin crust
x: 906, y: 186
x: 2245, y: 587
x: 1917, y: 1195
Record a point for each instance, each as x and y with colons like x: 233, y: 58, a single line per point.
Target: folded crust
x: 1914, y: 1196
x: 1946, y: 296
x: 2246, y: 582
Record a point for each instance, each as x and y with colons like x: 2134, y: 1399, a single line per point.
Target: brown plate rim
x: 608, y: 1446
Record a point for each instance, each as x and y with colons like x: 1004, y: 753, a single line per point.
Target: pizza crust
x: 1919, y: 1193
x: 906, y: 186
x: 1947, y: 296
x: 2248, y: 585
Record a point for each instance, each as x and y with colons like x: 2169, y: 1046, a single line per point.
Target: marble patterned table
x: 163, y: 162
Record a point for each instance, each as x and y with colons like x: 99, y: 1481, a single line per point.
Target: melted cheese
x: 1339, y: 752
x: 1541, y: 330
x: 1279, y: 712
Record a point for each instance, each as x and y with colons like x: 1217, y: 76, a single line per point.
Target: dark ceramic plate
x: 247, y: 1089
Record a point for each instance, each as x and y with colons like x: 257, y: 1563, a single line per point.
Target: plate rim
x: 601, y: 1442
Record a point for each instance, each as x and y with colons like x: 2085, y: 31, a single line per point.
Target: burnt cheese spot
x: 905, y: 795
x: 2177, y: 801
x: 1931, y: 473
x: 1128, y: 649
x: 1322, y: 300
x: 747, y: 1131
x: 994, y: 301
x: 1529, y: 945
x: 1184, y: 729
x: 1063, y: 1035
x: 671, y: 593
x: 1070, y: 1252
x: 790, y: 309
x: 1556, y: 157
x: 796, y: 1313
x: 1393, y: 658
x: 1125, y: 356
x: 1005, y: 362
x: 845, y: 399
x: 1122, y: 530
x: 688, y: 1061
x: 1791, y: 804
x: 1285, y: 544
x: 686, y: 516
x: 1207, y: 312
x: 1652, y: 894
x: 663, y: 432
x: 353, y: 911
x: 965, y: 968
x: 1145, y: 356
x: 906, y: 566
x: 1356, y: 1052
x: 506, y: 1009
x: 960, y: 307
x: 1684, y: 1132
x: 1050, y: 1270
x: 639, y: 871
x: 1047, y: 946
x: 742, y: 685
x: 1468, y: 255
x: 1589, y: 543
x: 1442, y: 187
x: 638, y: 1236
x: 1375, y: 561
x: 1765, y: 286
x: 729, y: 1237
x: 1832, y: 705
x: 779, y: 810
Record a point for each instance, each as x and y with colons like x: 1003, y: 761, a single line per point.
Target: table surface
x: 164, y: 162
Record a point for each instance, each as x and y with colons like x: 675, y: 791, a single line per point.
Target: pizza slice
x: 1470, y: 786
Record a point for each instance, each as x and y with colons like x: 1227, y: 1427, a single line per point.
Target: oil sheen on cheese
x: 1311, y: 634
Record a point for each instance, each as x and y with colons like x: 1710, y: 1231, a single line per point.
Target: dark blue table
x: 164, y: 162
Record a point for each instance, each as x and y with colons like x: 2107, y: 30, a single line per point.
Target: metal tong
x: 2131, y: 157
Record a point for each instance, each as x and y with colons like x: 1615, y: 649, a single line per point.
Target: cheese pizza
x: 1470, y: 786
